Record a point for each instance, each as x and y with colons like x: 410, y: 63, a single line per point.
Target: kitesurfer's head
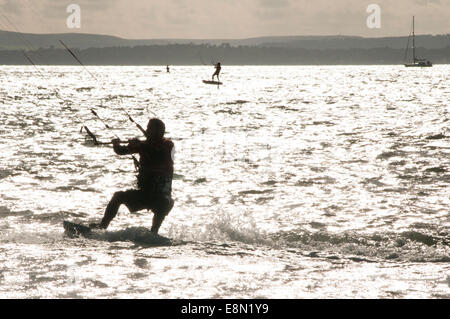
x: 156, y: 128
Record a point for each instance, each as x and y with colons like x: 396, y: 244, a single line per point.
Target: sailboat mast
x: 414, y: 44
x: 417, y: 62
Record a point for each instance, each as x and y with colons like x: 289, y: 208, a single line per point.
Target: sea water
x: 290, y: 182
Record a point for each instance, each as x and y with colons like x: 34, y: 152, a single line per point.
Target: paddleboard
x: 212, y: 82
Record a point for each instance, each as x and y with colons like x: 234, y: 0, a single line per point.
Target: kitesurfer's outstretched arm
x: 131, y: 148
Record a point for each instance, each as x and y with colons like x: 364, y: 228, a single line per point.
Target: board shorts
x: 139, y: 199
x: 156, y: 196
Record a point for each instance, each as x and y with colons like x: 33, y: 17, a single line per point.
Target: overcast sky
x: 144, y: 19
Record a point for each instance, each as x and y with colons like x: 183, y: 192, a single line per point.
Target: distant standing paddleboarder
x: 218, y: 68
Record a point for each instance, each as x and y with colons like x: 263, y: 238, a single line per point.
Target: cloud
x: 228, y: 18
x: 274, y: 3
x: 425, y: 2
x: 10, y: 6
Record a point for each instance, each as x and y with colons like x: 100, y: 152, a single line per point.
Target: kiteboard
x: 138, y: 235
x: 76, y: 230
x: 212, y: 82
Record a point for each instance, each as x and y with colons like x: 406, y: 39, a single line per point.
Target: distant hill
x: 29, y: 41
x: 290, y: 50
x: 350, y: 42
x: 205, y: 54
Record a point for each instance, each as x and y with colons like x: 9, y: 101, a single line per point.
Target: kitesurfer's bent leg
x: 111, y: 210
x: 128, y: 198
x: 136, y: 200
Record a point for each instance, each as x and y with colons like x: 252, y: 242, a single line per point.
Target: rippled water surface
x: 290, y: 182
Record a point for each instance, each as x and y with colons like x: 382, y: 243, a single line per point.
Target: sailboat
x: 416, y: 61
